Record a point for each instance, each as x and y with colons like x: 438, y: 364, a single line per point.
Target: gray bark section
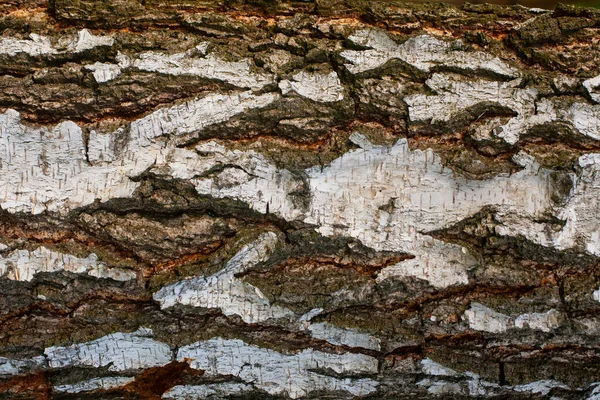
x: 298, y: 200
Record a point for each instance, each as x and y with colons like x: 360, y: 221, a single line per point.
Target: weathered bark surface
x: 327, y: 199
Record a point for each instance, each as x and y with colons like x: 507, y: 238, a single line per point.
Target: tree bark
x: 330, y: 199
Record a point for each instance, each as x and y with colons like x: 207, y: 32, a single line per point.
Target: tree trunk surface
x: 325, y: 200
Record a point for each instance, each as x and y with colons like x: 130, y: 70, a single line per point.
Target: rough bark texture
x: 330, y: 199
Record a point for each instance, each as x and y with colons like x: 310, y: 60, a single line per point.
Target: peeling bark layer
x: 327, y: 199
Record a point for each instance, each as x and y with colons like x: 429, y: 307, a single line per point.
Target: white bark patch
x: 226, y: 292
x: 87, y: 41
x: 46, y: 170
x: 584, y: 117
x: 541, y: 387
x: 595, y: 395
x: 23, y: 265
x: 195, y: 115
x: 239, y: 73
x: 119, y: 351
x: 441, y: 387
x: 278, y: 374
x: 105, y: 383
x: 39, y: 45
x: 430, y: 367
x: 201, y: 392
x: 344, y: 336
x: 385, y: 196
x: 582, y: 229
x: 337, y: 335
x: 36, y: 46
x: 348, y: 198
x: 422, y: 52
x: 9, y: 366
x: 565, y: 83
x: 444, y: 381
x: 592, y: 86
x: 325, y: 88
x: 306, y: 318
x: 480, y: 387
x: 545, y: 322
x: 482, y: 318
x: 104, y: 72
x: 513, y: 224
x: 257, y: 182
x: 454, y: 94
x: 596, y: 295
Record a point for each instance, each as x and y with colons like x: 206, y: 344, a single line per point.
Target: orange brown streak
x: 184, y: 260
x: 34, y: 386
x: 153, y: 382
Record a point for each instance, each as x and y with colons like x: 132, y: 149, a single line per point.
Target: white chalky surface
x: 104, y: 72
x: 279, y: 374
x: 337, y: 335
x: 480, y: 387
x: 258, y: 182
x: 194, y: 115
x: 86, y: 40
x: 584, y: 117
x: 119, y: 351
x: 580, y: 213
x: 541, y: 387
x: 36, y: 45
x: 443, y: 381
x: 9, y: 366
x: 482, y: 318
x: 388, y: 197
x: 46, y: 169
x: 236, y: 297
x: 545, y: 322
x: 441, y: 387
x: 344, y: 336
x: 325, y: 88
x: 200, y: 392
x: 515, y: 224
x: 226, y: 292
x: 105, y: 383
x: 592, y: 86
x: 582, y: 228
x: 239, y: 73
x: 454, y: 94
x: 348, y: 195
x: 422, y: 52
x: 430, y: 367
x: 22, y: 265
x: 595, y: 394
